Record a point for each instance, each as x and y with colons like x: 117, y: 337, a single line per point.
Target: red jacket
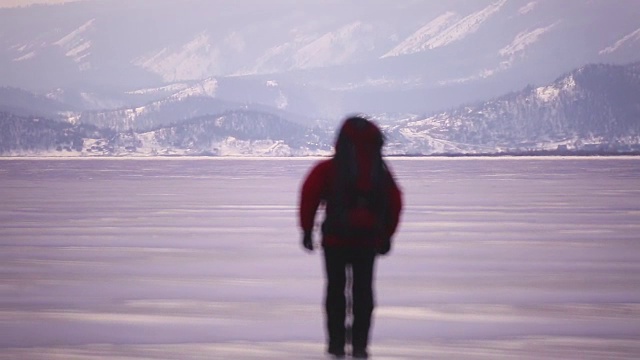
x: 317, y: 189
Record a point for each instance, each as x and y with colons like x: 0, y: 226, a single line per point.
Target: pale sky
x: 16, y: 3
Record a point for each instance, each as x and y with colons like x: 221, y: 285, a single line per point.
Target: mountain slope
x: 593, y: 108
x: 184, y: 101
x: 596, y: 105
x: 25, y: 103
x: 33, y: 136
x: 382, y: 57
x: 238, y: 133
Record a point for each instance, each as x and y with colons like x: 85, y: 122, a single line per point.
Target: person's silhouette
x: 362, y: 209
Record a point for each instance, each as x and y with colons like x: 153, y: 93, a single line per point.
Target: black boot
x: 336, y: 353
x: 360, y: 354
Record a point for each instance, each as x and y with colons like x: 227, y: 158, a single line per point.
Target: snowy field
x: 201, y: 259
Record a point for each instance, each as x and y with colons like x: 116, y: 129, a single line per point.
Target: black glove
x: 384, y: 248
x: 307, y: 241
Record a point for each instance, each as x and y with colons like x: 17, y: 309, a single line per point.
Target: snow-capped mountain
x: 232, y: 133
x: 593, y: 108
x: 203, y: 77
x: 184, y: 101
x: 29, y: 135
x: 236, y: 133
x: 346, y: 56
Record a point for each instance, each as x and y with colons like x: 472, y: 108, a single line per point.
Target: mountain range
x: 252, y: 77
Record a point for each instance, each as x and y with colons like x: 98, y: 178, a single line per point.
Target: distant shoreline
x: 537, y: 153
x: 533, y: 155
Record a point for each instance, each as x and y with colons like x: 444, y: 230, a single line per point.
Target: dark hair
x: 359, y: 129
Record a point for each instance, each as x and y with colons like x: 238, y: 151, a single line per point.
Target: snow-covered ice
x: 174, y: 258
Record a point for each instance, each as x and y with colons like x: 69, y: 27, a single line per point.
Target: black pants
x: 361, y: 262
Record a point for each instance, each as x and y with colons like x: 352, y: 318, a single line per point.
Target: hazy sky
x: 15, y: 3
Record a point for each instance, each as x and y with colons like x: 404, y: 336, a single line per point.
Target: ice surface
x: 200, y: 259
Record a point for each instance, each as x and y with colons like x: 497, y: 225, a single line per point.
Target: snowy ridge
x: 172, y: 88
x: 418, y: 41
x: 277, y: 57
x: 550, y: 93
x: 335, y: 48
x: 76, y: 46
x: 528, y: 8
x: 207, y: 88
x: 26, y: 56
x: 483, y: 74
x: 461, y: 29
x: 634, y: 36
x: 72, y: 38
x: 444, y: 30
x: 266, y: 63
x: 195, y: 60
x: 524, y: 39
x: 510, y: 52
x: 547, y: 93
x: 23, y: 52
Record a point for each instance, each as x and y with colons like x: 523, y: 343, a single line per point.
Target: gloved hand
x: 384, y: 248
x: 307, y: 241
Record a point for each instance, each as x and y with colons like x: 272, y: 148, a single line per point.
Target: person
x: 362, y: 204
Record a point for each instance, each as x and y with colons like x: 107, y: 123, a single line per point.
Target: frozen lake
x: 201, y: 259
